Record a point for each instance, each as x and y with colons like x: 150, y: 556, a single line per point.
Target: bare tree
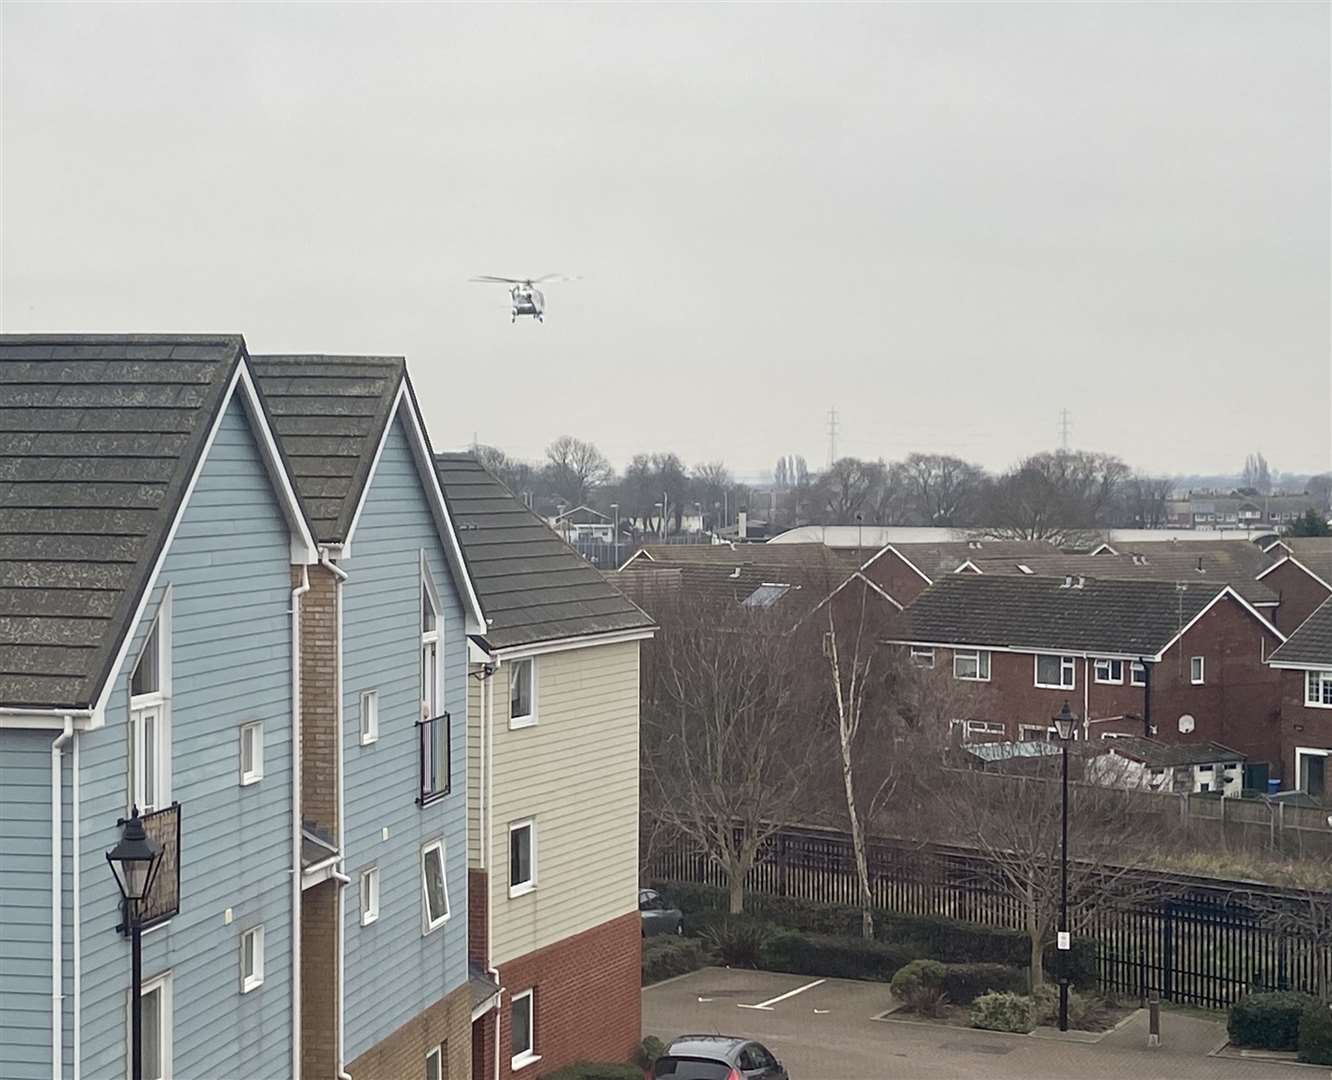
x: 847, y: 488
x: 575, y: 469
x: 1257, y: 475
x: 724, y: 746
x: 518, y: 476
x: 1057, y: 496
x: 943, y: 490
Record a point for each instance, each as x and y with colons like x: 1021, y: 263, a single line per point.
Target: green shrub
x: 1315, y: 1038
x: 738, y: 940
x: 591, y: 1070
x: 1003, y: 1012
x: 666, y: 957
x: 963, y: 983
x: 1268, y: 1021
x: 647, y: 1052
x: 916, y: 977
x: 1086, y: 1012
x: 834, y: 957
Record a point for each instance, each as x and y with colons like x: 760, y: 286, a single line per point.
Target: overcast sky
x: 948, y: 221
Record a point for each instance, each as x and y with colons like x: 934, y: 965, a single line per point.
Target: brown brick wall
x: 477, y: 916
x: 319, y: 704
x: 1300, y: 595
x: 319, y: 981
x: 1301, y: 725
x: 401, y: 1056
x: 587, y: 1000
x: 896, y: 578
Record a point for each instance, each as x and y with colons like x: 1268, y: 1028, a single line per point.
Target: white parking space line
x: 766, y: 1006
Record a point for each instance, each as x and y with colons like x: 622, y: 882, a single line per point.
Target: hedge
x: 932, y: 936
x: 962, y: 983
x: 1315, y: 1042
x: 1268, y: 1021
x: 835, y: 957
x: 667, y: 956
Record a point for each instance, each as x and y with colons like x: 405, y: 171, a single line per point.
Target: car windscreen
x: 687, y: 1068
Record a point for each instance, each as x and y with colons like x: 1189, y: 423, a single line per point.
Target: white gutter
x: 57, y: 902
x: 78, y: 918
x: 296, y: 594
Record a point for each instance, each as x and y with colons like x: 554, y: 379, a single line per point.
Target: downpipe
x: 296, y: 594
x: 488, y: 805
x: 57, y: 900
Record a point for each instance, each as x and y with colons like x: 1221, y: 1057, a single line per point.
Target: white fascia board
x: 923, y: 576
x: 640, y: 553
x: 47, y: 719
x: 1284, y: 665
x: 1029, y: 650
x: 615, y: 637
x: 1226, y: 591
x: 1104, y: 548
x: 345, y: 548
x: 1296, y: 562
x: 304, y: 549
x: 857, y: 576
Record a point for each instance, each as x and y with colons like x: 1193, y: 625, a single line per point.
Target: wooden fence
x: 1193, y: 940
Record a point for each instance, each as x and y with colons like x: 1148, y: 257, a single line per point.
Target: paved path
x: 827, y: 1032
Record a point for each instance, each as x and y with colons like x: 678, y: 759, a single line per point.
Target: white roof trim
x: 255, y: 413
x: 1029, y: 650
x: 641, y: 551
x: 1225, y: 591
x: 1102, y: 548
x: 857, y: 575
x: 1291, y: 559
x: 345, y: 546
x: 612, y: 637
x: 923, y: 576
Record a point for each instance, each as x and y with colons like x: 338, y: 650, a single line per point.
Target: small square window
x: 1138, y: 674
x: 434, y: 886
x: 251, y: 753
x: 922, y: 656
x: 973, y: 666
x: 1196, y: 668
x: 369, y: 716
x: 522, y: 857
x: 252, y: 959
x: 1057, y: 672
x: 522, y: 1030
x: 522, y: 697
x: 369, y: 895
x: 1109, y: 671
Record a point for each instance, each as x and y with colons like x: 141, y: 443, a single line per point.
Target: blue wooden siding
x: 229, y: 573
x: 393, y: 971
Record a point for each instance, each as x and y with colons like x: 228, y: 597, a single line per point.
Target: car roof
x: 706, y: 1045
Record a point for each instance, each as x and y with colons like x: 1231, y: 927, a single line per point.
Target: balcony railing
x: 434, y: 758
x: 163, y: 899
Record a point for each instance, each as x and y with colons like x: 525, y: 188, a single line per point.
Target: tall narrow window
x: 434, y: 727
x: 434, y: 886
x: 252, y: 959
x: 522, y: 696
x: 155, y: 1035
x: 1196, y: 670
x: 522, y: 1029
x: 369, y: 895
x: 251, y: 753
x: 522, y: 857
x: 149, y: 723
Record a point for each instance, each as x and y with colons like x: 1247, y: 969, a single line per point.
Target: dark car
x: 717, y: 1057
x: 657, y: 916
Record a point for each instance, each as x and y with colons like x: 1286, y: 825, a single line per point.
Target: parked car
x: 718, y: 1057
x: 657, y: 915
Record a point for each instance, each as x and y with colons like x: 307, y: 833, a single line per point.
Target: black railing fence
x: 1193, y: 940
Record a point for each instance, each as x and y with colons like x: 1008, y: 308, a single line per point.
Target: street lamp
x: 134, y: 862
x: 1065, y: 725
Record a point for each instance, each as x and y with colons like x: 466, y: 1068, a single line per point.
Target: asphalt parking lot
x: 826, y: 1030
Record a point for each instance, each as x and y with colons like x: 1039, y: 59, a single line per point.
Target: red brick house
x: 1305, y: 666
x: 903, y: 571
x: 1301, y: 576
x: 1184, y: 663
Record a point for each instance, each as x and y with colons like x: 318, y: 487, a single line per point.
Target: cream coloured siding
x: 476, y: 690
x: 575, y: 774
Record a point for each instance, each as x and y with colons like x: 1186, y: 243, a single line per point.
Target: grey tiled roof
x: 99, y: 436
x: 1155, y: 752
x: 1129, y: 618
x: 532, y: 586
x: 328, y: 413
x: 1311, y: 641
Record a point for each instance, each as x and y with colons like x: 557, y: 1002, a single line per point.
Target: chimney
x: 1200, y: 565
x: 1080, y: 583
x: 1068, y: 582
x: 742, y: 524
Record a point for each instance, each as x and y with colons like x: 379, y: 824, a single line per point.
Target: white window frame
x: 1038, y: 732
x: 434, y: 1063
x: 158, y: 983
x: 523, y: 887
x: 255, y: 731
x: 368, y: 893
x: 253, y: 979
x: 157, y: 706
x: 981, y: 657
x: 1318, y: 689
x: 1109, y: 666
x: 979, y: 727
x: 1136, y: 667
x: 529, y: 1056
x: 1200, y: 663
x: 431, y: 923
x: 528, y: 719
x: 432, y: 646
x: 369, y: 718
x: 1302, y: 752
x: 1068, y: 665
x: 922, y: 655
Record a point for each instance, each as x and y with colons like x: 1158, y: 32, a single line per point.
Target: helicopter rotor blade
x: 499, y: 280
x: 553, y: 277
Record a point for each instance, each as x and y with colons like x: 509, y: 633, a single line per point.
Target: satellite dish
x: 1185, y: 724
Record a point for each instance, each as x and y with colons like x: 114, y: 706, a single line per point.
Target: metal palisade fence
x: 1195, y: 941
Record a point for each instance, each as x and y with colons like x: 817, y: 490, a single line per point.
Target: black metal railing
x: 434, y: 758
x: 163, y: 899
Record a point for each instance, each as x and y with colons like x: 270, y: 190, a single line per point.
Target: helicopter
x: 527, y: 298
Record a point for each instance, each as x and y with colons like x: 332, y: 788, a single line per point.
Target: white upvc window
x: 979, y: 730
x: 1037, y: 732
x: 922, y: 656
x: 369, y: 895
x: 434, y: 887
x: 1318, y: 689
x: 434, y: 1063
x: 369, y: 716
x: 1108, y: 671
x: 972, y: 665
x: 1054, y: 672
x: 430, y: 641
x: 522, y: 692
x: 155, y: 1038
x: 150, y: 717
x: 1196, y: 670
x: 1313, y: 770
x: 1137, y: 674
x: 252, y: 959
x: 522, y: 1030
x: 522, y: 857
x: 251, y: 753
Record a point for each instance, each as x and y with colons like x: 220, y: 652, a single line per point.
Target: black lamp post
x: 1065, y: 725
x: 134, y: 862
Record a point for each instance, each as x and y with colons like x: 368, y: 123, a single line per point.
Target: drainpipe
x: 339, y: 875
x: 57, y: 902
x: 1086, y: 696
x: 491, y: 969
x: 78, y: 915
x: 1146, y: 698
x: 296, y: 594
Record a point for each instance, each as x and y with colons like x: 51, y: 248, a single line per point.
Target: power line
x: 832, y: 435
